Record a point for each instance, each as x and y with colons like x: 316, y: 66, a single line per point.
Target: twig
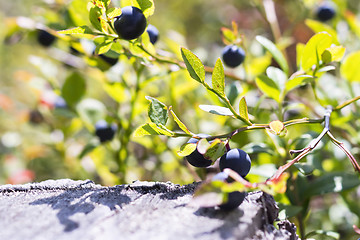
x: 346, y: 103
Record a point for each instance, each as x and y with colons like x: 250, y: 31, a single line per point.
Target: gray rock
x: 66, y: 209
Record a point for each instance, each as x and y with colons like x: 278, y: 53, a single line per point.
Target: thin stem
x: 348, y: 102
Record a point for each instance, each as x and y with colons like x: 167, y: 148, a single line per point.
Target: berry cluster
x: 234, y: 159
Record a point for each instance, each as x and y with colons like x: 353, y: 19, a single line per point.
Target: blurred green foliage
x: 39, y: 141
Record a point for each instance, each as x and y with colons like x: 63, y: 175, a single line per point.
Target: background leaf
x: 73, y: 89
x: 268, y: 87
x: 275, y: 52
x: 152, y: 129
x: 350, y: 68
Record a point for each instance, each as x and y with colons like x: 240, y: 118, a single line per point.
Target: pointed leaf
x: 223, y: 111
x: 94, y: 16
x: 194, y: 65
x: 179, y: 123
x: 275, y: 52
x: 152, y: 129
x: 268, y: 87
x: 77, y: 30
x: 186, y: 149
x: 218, y: 78
x: 350, y: 68
x: 104, y: 47
x: 215, y: 150
x: 157, y: 111
x: 243, y: 110
x: 278, y: 76
x: 314, y: 48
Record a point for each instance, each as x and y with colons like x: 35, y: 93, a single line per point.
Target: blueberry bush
x: 241, y: 95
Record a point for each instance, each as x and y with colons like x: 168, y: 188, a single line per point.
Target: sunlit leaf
x: 268, y: 87
x: 157, y: 111
x: 83, y: 30
x: 113, y: 12
x: 333, y: 54
x: 194, y: 65
x: 94, y: 16
x: 179, y: 123
x: 223, y: 111
x: 311, y: 54
x: 297, y: 81
x: 203, y: 145
x: 350, y: 67
x: 104, y: 47
x: 218, y: 78
x: 275, y: 52
x: 215, y: 150
x: 152, y: 129
x: 186, y: 149
x: 228, y: 36
x: 146, y: 6
x: 317, y: 27
x: 243, y: 110
x: 278, y: 76
x: 276, y: 126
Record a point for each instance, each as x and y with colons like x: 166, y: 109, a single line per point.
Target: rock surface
x: 66, y: 209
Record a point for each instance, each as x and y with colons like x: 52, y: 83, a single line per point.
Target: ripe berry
x: 233, y: 55
x: 153, y: 33
x: 325, y: 12
x: 237, y: 160
x: 233, y: 201
x: 45, y: 38
x: 131, y: 23
x: 234, y: 198
x: 109, y: 60
x: 195, y: 158
x: 104, y: 131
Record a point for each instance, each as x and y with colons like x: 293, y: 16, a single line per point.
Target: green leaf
x: 228, y: 36
x: 157, y: 111
x: 332, y: 183
x: 146, y: 6
x: 179, y: 123
x: 278, y: 76
x: 223, y: 111
x: 194, y: 65
x: 94, y: 16
x: 304, y: 168
x: 333, y: 54
x: 252, y: 148
x: 350, y: 68
x: 77, y: 30
x: 275, y: 52
x: 317, y: 27
x: 331, y: 234
x: 152, y: 129
x: 186, y: 149
x: 116, y: 91
x: 268, y: 87
x: 74, y: 88
x: 104, y: 47
x: 78, y: 12
x: 314, y: 48
x: 215, y: 150
x: 288, y: 211
x: 218, y: 78
x: 88, y: 148
x: 297, y: 81
x: 113, y: 12
x: 243, y: 110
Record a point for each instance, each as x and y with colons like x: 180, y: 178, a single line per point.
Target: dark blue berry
x: 104, y: 131
x: 109, y: 60
x: 234, y: 200
x: 325, y: 12
x: 45, y: 38
x: 131, y: 23
x: 195, y: 158
x: 153, y: 33
x: 237, y: 160
x: 233, y: 55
